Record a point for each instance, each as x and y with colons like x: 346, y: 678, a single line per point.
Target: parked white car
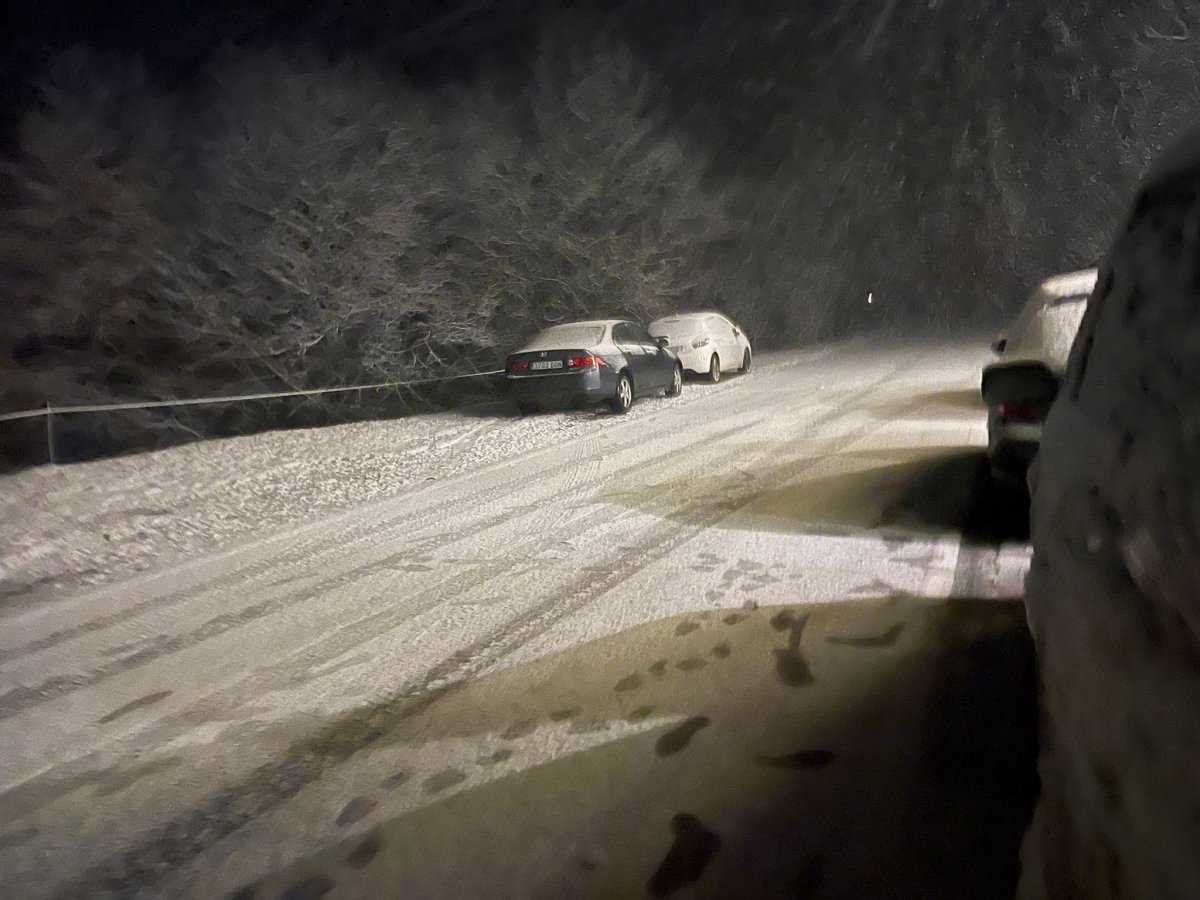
x: 1021, y: 386
x: 707, y: 342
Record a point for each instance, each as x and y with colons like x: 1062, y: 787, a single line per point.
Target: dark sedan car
x: 607, y: 361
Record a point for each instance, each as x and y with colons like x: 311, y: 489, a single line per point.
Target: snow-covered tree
x: 79, y: 232
x: 308, y: 252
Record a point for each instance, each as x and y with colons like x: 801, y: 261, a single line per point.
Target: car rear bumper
x: 695, y: 361
x: 593, y: 385
x: 1012, y: 447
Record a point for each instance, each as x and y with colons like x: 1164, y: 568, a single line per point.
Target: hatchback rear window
x: 566, y: 337
x: 1069, y: 298
x: 677, y: 327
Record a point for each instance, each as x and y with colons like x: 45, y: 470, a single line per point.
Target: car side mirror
x: 663, y: 342
x: 999, y: 344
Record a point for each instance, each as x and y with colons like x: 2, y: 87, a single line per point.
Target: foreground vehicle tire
x: 714, y: 369
x: 676, y: 387
x: 623, y: 398
x: 747, y: 360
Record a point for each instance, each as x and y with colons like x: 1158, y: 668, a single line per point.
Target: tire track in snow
x: 186, y: 837
x: 389, y: 616
x: 315, y: 546
x: 21, y: 698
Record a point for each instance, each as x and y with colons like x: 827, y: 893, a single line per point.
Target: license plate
x: 546, y: 364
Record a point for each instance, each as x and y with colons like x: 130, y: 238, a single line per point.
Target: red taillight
x: 577, y: 362
x: 518, y: 365
x: 699, y: 342
x: 1022, y: 411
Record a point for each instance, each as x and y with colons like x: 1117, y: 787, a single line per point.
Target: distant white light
x: 870, y: 296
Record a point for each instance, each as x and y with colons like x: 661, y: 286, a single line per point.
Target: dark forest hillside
x: 314, y: 194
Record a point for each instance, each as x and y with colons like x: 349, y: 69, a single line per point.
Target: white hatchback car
x: 1021, y: 386
x: 707, y: 342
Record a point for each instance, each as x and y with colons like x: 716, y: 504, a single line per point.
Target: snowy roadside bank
x: 97, y: 522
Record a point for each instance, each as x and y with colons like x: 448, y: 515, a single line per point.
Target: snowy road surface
x: 177, y: 703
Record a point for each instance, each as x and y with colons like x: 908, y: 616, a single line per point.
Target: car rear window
x: 568, y: 337
x: 673, y: 328
x: 1070, y: 298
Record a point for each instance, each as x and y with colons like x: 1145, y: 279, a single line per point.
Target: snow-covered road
x: 164, y: 706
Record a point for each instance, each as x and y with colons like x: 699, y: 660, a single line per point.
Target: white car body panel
x: 725, y: 339
x: 1049, y: 321
x: 1043, y: 333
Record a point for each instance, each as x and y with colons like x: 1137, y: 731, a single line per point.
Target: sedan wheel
x: 623, y: 399
x: 676, y: 387
x: 746, y: 362
x: 714, y: 369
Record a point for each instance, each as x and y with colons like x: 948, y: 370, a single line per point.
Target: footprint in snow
x: 800, y: 760
x: 393, y: 781
x: 447, y: 778
x: 628, y: 683
x: 870, y: 642
x: 680, y: 736
x: 692, y: 850
x: 355, y: 810
x: 365, y: 852
x: 790, y: 666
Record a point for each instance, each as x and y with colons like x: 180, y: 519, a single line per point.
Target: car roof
x: 1069, y: 284
x: 596, y: 322
x: 533, y: 342
x: 693, y: 314
x: 1046, y: 326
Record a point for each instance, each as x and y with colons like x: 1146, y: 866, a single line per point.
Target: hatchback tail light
x: 699, y: 342
x: 1020, y: 411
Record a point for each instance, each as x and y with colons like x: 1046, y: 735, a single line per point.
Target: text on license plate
x: 547, y: 364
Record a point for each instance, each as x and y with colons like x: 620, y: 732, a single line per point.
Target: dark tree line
x: 292, y: 222
x: 242, y: 212
x: 945, y: 155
